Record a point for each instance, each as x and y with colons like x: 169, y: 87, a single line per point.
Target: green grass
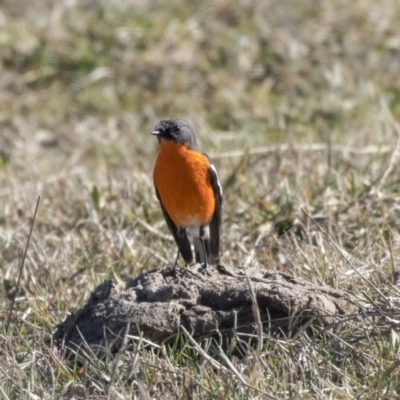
x: 298, y: 104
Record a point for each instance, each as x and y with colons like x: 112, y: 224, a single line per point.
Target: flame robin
x: 189, y: 192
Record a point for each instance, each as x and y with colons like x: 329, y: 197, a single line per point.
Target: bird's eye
x: 177, y: 129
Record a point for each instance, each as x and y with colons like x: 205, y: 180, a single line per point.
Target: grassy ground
x: 296, y: 101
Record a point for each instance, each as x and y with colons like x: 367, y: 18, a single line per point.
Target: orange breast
x: 183, y: 182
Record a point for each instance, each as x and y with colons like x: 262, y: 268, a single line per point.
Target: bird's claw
x: 173, y: 270
x: 204, y: 270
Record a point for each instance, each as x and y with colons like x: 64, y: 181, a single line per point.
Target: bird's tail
x: 198, y: 249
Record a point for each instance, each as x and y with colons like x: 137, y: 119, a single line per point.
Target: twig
x: 394, y: 279
x: 213, y: 362
x: 251, y: 254
x: 308, y: 147
x: 256, y: 312
x: 133, y: 364
x: 227, y: 361
x: 153, y: 230
x: 218, y: 366
x: 343, y: 255
x: 22, y: 267
x: 222, y: 354
x: 116, y: 360
x: 392, y: 162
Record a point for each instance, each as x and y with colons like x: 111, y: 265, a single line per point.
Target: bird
x: 189, y: 192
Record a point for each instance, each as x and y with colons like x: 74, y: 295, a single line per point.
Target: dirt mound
x: 157, y: 303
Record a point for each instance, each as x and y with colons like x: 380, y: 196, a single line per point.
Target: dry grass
x: 298, y: 103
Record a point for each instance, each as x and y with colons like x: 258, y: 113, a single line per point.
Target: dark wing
x: 216, y: 220
x: 179, y: 235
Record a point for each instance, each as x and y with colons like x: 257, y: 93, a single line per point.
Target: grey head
x: 176, y: 130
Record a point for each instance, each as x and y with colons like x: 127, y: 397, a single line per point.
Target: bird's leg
x: 180, y: 235
x: 176, y: 261
x: 204, y: 267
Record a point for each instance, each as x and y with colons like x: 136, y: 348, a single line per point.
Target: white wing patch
x: 217, y: 178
